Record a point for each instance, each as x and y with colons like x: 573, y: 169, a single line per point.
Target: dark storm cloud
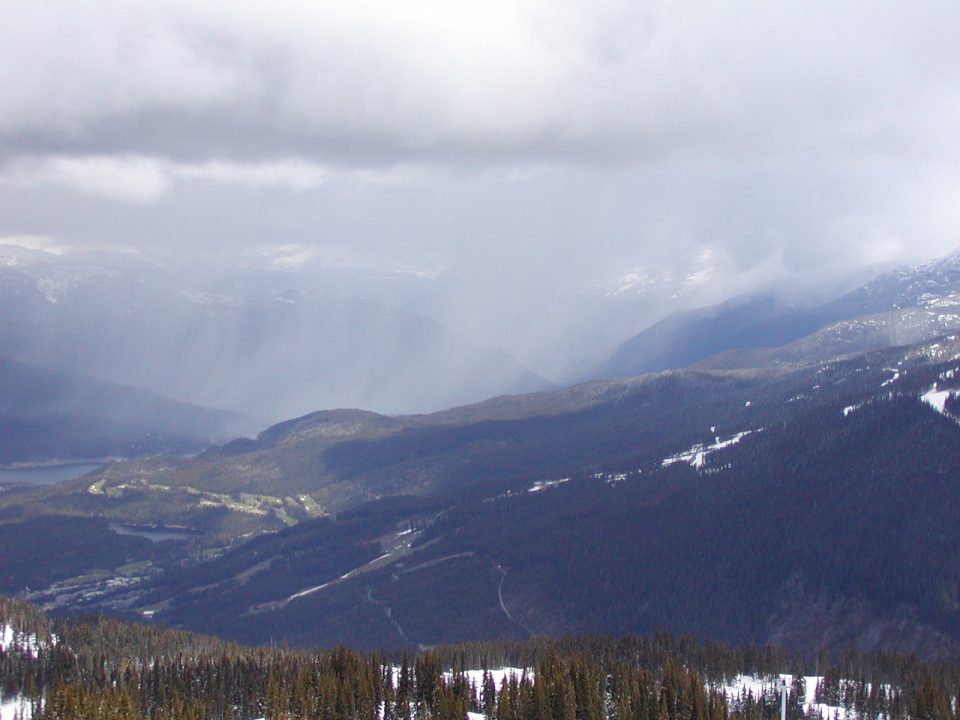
x: 529, y: 147
x: 502, y: 81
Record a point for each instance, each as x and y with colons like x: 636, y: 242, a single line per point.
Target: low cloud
x: 141, y: 179
x: 528, y: 148
x: 127, y: 178
x: 504, y: 81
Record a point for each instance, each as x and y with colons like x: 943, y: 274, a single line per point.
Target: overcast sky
x: 516, y: 145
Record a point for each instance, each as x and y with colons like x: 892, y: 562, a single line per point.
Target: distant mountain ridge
x: 765, y: 322
x: 847, y: 337
x: 247, y: 344
x: 47, y: 416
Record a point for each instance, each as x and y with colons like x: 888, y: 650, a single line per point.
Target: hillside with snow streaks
x: 697, y: 455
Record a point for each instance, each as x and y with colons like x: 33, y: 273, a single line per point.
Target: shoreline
x: 54, y: 464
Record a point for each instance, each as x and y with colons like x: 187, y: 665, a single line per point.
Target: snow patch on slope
x: 852, y: 408
x: 743, y: 685
x: 893, y: 379
x: 475, y: 677
x: 16, y: 707
x: 545, y: 484
x: 697, y: 455
x: 25, y: 643
x: 937, y: 399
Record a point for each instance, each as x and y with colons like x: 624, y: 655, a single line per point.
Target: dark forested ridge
x: 104, y: 669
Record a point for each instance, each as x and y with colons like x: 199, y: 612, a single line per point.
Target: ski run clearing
x: 400, y: 545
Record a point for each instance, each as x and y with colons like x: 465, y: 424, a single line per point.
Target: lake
x: 152, y: 533
x: 47, y: 474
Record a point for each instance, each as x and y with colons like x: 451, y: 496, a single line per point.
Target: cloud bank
x: 522, y: 146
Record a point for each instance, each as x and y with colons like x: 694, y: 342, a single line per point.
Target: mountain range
x: 804, y: 495
x: 762, y: 320
x: 265, y: 345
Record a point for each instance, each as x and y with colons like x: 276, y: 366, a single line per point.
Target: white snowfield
x: 16, y: 707
x: 744, y: 684
x: 10, y: 640
x: 696, y: 456
x: 475, y: 677
x: 937, y: 399
x: 544, y: 484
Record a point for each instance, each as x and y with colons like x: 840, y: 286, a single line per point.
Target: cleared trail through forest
x: 389, y: 613
x: 503, y: 607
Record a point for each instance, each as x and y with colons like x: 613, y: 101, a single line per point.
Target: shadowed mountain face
x: 260, y: 348
x: 47, y: 416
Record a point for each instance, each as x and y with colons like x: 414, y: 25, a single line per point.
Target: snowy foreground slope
x: 768, y: 688
x: 737, y: 692
x: 15, y: 707
x: 109, y: 669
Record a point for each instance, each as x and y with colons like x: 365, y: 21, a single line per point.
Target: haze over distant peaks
x: 768, y: 319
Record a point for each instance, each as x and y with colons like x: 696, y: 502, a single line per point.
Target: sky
x: 521, y: 150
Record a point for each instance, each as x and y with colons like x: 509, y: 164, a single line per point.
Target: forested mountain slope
x: 847, y: 337
x: 817, y: 507
x: 333, y: 460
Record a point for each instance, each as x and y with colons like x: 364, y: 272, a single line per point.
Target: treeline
x: 101, y: 669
